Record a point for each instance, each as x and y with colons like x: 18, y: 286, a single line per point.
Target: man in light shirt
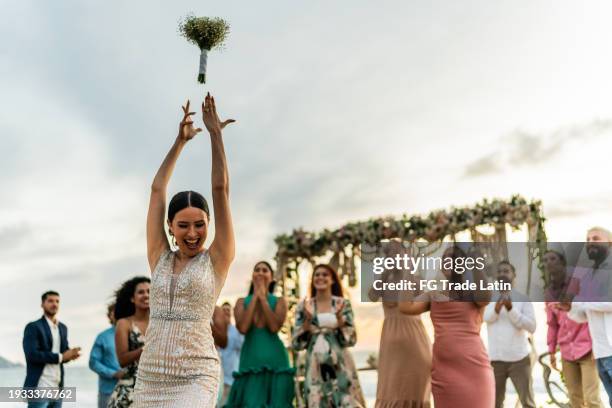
x: 103, y: 360
x: 592, y: 303
x: 510, y: 319
x: 45, y: 344
x: 230, y: 355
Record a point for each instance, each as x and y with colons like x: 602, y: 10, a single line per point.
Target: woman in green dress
x: 324, y: 328
x: 264, y: 378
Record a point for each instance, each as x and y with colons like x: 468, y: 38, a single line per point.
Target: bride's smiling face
x: 190, y: 227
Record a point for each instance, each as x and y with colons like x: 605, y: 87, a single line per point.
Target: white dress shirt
x: 52, y: 374
x: 599, y: 317
x: 592, y: 304
x: 508, y: 331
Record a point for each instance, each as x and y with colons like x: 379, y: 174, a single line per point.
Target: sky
x: 344, y: 111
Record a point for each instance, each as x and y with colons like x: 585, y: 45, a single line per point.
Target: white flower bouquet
x: 207, y: 33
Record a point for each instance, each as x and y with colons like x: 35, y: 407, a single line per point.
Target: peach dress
x: 404, y: 367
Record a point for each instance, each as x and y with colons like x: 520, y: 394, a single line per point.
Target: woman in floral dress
x: 324, y: 328
x: 132, y: 312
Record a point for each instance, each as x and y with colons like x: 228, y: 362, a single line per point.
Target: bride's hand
x: 186, y: 129
x: 213, y: 124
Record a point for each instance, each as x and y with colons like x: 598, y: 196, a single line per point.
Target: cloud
x: 482, y: 166
x: 572, y: 207
x: 526, y: 149
x: 14, y: 235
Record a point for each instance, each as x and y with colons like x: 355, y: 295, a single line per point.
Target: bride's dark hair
x: 186, y: 199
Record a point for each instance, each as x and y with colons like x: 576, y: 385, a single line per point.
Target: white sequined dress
x: 179, y: 366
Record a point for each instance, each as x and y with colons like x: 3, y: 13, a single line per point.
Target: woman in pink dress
x: 461, y: 375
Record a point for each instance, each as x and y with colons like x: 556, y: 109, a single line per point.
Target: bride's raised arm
x: 157, y: 241
x: 222, y: 249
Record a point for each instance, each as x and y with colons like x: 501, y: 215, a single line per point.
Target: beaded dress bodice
x: 179, y: 337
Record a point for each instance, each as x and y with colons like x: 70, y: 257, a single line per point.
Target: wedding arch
x: 299, y: 251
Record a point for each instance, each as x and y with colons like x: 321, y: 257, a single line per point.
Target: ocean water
x: 85, y: 382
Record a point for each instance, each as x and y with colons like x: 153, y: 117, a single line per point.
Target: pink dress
x: 461, y: 375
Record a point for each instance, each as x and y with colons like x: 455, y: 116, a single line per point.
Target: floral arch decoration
x: 341, y: 247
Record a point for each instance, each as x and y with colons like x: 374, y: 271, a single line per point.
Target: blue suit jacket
x: 37, y: 344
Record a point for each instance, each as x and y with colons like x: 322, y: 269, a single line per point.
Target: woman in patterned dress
x: 324, y: 328
x: 180, y: 366
x: 132, y: 311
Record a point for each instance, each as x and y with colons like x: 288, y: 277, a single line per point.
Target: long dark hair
x: 456, y: 252
x: 186, y: 199
x: 272, y: 284
x: 336, y: 287
x: 124, y: 307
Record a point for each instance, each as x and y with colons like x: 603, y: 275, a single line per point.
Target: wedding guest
x: 573, y: 339
x: 230, y: 354
x: 218, y: 327
x: 464, y: 378
x: 45, y: 345
x: 592, y: 303
x: 103, y: 360
x: 510, y: 321
x: 325, y: 328
x: 264, y: 376
x: 132, y: 314
x: 404, y: 364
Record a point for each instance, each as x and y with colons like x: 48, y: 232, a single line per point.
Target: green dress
x: 264, y: 378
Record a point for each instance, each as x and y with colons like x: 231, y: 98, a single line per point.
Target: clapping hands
x: 339, y: 309
x: 259, y: 290
x: 503, y: 301
x: 71, y: 354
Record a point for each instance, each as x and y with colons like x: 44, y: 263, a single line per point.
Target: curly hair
x: 124, y: 306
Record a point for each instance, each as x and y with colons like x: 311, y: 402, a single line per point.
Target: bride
x: 179, y: 366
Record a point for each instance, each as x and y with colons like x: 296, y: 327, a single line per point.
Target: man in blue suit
x: 45, y: 344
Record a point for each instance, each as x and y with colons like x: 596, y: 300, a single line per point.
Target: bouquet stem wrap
x: 203, y: 63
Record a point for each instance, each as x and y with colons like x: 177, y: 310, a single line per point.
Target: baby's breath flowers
x: 207, y: 33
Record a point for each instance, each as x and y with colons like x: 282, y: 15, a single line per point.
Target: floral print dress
x: 330, y: 376
x: 122, y: 394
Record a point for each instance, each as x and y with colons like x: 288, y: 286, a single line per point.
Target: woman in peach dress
x: 404, y: 363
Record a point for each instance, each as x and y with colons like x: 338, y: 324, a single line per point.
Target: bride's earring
x: 174, y: 243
